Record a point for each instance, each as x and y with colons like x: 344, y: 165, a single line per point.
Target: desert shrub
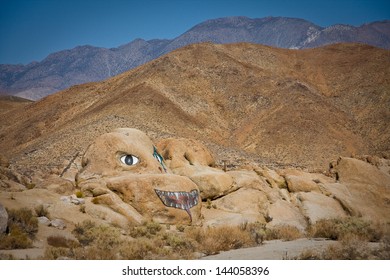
x: 224, y: 238
x: 54, y: 253
x: 41, y: 211
x: 22, y: 227
x: 82, y: 232
x: 178, y: 242
x: 141, y: 249
x: 257, y: 231
x: 338, y: 229
x: 147, y: 229
x: 284, y: 232
x: 61, y: 241
x: 97, y: 243
x: 16, y: 239
x: 104, y: 237
x: 79, y: 194
x: 180, y: 228
x: 24, y: 219
x: 30, y: 186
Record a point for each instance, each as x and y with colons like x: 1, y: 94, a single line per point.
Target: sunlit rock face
x: 127, y: 178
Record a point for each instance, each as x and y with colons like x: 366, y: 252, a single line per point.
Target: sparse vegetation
x: 147, y: 229
x: 283, y: 232
x: 61, y: 241
x: 22, y: 226
x: 41, y: 211
x: 213, y: 240
x: 354, y: 236
x: 148, y: 241
x: 154, y: 241
x: 338, y: 229
x: 351, y: 248
x: 79, y: 194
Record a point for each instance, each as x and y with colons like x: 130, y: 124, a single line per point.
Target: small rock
x: 58, y: 223
x: 44, y: 220
x: 77, y: 201
x: 65, y: 199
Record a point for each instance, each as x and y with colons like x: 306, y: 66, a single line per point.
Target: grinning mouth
x: 179, y: 200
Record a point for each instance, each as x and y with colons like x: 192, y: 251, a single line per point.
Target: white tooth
x: 177, y: 195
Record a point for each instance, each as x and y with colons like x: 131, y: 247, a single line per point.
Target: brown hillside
x: 298, y: 107
x: 8, y: 103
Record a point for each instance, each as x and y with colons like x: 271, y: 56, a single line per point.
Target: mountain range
x: 83, y: 64
x: 245, y: 102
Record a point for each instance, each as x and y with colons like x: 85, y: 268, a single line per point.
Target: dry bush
x: 55, y: 253
x: 61, y: 241
x: 355, y: 247
x: 283, y: 232
x: 147, y: 229
x: 17, y: 239
x: 148, y: 249
x: 24, y: 219
x: 337, y: 229
x: 22, y: 226
x: 224, y: 238
x: 352, y: 247
x: 82, y: 232
x: 97, y: 243
x: 41, y: 211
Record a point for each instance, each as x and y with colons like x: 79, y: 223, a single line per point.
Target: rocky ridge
x: 83, y: 64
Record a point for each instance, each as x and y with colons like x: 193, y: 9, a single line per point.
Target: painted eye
x: 129, y: 160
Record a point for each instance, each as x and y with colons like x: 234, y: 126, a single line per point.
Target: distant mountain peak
x: 87, y: 63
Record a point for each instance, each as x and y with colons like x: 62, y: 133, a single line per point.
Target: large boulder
x: 191, y: 159
x: 301, y: 184
x: 212, y: 182
x: 363, y: 189
x: 125, y: 174
x: 3, y: 219
x: 181, y: 152
x: 284, y: 213
x: 316, y: 206
x: 355, y: 171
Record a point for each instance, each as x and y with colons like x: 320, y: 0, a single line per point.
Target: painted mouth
x: 179, y: 200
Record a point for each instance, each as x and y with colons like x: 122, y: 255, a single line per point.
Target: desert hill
x: 244, y: 101
x: 9, y: 102
x: 87, y: 63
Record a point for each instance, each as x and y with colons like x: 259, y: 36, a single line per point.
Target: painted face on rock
x: 124, y: 172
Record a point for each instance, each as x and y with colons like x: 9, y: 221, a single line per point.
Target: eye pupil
x: 129, y: 159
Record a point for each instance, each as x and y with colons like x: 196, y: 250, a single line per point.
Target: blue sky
x: 32, y: 29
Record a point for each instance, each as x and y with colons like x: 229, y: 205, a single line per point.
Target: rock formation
x: 123, y: 172
x: 125, y: 179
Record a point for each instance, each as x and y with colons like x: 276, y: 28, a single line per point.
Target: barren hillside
x: 244, y: 101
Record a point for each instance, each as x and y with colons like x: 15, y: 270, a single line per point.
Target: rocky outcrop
x: 125, y: 180
x: 363, y: 189
x: 281, y: 197
x: 123, y: 172
x: 10, y: 179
